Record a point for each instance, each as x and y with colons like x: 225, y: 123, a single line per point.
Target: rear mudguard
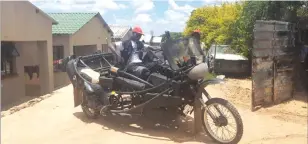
x: 79, y: 92
x: 78, y: 96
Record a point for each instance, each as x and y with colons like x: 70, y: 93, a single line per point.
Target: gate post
x: 272, y: 63
x: 197, y: 114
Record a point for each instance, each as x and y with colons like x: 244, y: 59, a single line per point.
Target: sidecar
x: 102, y: 88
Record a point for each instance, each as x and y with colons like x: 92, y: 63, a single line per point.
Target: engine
x: 120, y: 101
x: 123, y: 101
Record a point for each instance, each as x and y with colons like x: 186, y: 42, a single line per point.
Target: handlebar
x: 154, y: 49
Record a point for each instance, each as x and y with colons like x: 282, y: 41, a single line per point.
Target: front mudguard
x: 204, y: 83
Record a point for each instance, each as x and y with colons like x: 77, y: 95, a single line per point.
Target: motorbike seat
x: 90, y: 75
x: 139, y: 71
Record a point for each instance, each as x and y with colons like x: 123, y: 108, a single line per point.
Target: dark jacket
x: 128, y: 49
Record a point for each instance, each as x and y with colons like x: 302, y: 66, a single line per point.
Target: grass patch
x: 209, y: 75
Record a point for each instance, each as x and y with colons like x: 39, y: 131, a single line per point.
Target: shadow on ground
x: 297, y: 96
x: 17, y: 102
x: 160, y: 128
x: 61, y: 86
x: 30, y: 97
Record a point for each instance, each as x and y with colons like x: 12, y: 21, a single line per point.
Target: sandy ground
x: 55, y: 121
x: 239, y: 93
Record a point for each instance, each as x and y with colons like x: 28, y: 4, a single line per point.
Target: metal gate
x: 272, y: 63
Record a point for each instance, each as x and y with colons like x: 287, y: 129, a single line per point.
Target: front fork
x: 203, y: 103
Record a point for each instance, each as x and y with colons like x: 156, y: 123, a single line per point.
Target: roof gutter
x: 38, y: 10
x: 105, y: 24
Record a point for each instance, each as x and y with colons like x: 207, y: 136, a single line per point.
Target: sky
x: 151, y: 15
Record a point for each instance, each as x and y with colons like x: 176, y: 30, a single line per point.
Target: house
x: 151, y: 40
x: 156, y: 41
x: 26, y: 51
x: 79, y: 34
x: 146, y: 38
x: 121, y: 33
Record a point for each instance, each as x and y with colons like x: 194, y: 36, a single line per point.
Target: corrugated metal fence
x: 272, y: 63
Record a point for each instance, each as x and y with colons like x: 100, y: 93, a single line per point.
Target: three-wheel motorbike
x: 176, y: 85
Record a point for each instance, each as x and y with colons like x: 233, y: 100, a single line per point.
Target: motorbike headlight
x: 198, y: 59
x: 198, y: 71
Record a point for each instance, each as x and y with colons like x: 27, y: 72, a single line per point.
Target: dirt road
x: 55, y: 121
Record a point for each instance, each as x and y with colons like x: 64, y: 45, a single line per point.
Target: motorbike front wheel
x: 220, y: 127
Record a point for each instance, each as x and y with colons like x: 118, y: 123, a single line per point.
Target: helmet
x: 138, y: 30
x: 196, y: 31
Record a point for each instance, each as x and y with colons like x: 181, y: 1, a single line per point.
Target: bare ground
x: 239, y: 92
x: 55, y: 120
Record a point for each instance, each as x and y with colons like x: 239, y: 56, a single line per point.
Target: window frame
x: 105, y: 48
x: 9, y: 60
x: 59, y: 51
x: 58, y: 54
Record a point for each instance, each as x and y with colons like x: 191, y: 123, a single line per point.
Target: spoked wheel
x: 89, y: 112
x: 226, y: 126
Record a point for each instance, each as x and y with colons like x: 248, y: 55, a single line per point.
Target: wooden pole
x: 197, y: 114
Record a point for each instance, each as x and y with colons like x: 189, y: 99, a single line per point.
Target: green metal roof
x: 69, y: 23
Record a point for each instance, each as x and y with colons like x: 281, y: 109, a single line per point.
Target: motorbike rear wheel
x: 221, y: 121
x: 90, y: 113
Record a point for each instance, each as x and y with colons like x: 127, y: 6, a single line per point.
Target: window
x: 74, y: 50
x: 222, y: 49
x: 58, y: 52
x: 8, y: 59
x: 105, y: 48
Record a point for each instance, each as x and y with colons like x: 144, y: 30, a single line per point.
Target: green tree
x: 303, y: 11
x: 242, y: 30
x: 233, y: 23
x: 173, y: 35
x: 214, y: 23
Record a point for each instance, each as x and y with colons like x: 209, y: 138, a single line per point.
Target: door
x: 105, y: 48
x: 272, y: 63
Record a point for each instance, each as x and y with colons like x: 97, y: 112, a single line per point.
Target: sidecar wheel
x: 222, y: 121
x: 90, y: 113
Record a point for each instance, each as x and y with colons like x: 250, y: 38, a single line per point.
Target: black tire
x: 235, y: 114
x: 86, y: 110
x: 88, y: 113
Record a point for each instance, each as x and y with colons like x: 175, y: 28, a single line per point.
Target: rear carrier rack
x: 99, y: 61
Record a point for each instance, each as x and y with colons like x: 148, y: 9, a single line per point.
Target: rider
x: 132, y: 44
x: 132, y: 60
x: 197, y: 34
